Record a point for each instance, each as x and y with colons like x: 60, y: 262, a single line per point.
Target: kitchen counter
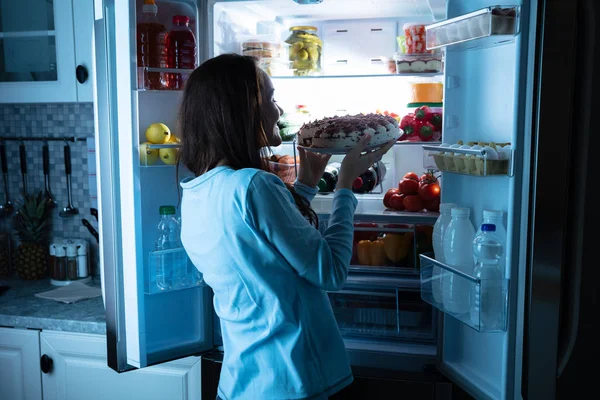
x: 19, y: 308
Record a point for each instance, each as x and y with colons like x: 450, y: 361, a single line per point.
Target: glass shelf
x: 188, y: 277
x: 487, y: 314
x: 353, y: 76
x: 468, y: 161
x: 487, y: 27
x: 153, y: 157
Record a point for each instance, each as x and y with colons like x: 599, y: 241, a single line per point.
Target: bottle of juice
x: 181, y: 50
x: 151, y: 48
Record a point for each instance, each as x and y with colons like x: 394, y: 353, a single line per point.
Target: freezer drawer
x: 378, y: 312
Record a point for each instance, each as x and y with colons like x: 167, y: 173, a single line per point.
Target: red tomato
x: 388, y: 195
x: 397, y: 201
x: 413, y: 203
x: 433, y: 205
x: 411, y: 175
x: 429, y: 191
x: 427, y: 177
x: 408, y: 186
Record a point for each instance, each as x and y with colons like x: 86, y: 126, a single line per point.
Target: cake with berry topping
x: 346, y: 131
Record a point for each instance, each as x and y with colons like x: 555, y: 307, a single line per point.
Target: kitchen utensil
x: 69, y: 210
x: 50, y: 202
x: 94, y: 212
x: 7, y: 208
x: 23, y: 157
x: 91, y: 229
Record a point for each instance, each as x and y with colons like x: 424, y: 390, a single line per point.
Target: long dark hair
x: 221, y: 121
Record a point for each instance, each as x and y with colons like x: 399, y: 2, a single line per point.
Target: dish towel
x: 71, y: 293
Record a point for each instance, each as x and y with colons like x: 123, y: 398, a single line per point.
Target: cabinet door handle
x: 82, y: 74
x: 46, y: 364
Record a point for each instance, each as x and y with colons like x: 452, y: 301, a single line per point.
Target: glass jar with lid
x: 305, y: 50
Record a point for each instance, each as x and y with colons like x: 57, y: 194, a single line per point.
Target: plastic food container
x: 415, y: 38
x: 286, y: 170
x: 412, y: 125
x: 261, y: 48
x: 418, y: 63
x: 276, y: 66
x: 305, y: 50
x: 429, y: 92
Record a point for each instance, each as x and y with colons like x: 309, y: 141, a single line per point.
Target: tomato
x: 429, y: 191
x: 433, y: 205
x: 408, y: 186
x: 427, y: 177
x: 397, y: 201
x: 413, y: 203
x: 411, y: 175
x: 388, y: 195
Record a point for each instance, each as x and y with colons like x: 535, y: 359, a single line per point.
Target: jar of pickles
x: 305, y: 50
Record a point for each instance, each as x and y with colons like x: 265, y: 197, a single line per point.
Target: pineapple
x: 31, y: 223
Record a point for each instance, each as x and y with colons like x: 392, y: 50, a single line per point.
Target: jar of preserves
x: 305, y: 50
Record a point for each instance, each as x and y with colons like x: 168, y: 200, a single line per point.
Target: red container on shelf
x: 415, y: 38
x: 151, y: 48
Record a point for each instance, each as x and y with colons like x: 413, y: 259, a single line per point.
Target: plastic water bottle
x: 496, y: 217
x: 171, y: 262
x: 458, y: 254
x: 441, y: 224
x: 488, y: 299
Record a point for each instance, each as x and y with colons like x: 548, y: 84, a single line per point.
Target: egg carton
x: 469, y: 161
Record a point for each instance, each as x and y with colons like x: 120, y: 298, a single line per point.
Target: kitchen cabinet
x: 19, y: 364
x: 46, y: 51
x: 79, y: 371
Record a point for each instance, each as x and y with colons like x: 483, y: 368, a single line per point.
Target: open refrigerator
x: 493, y: 92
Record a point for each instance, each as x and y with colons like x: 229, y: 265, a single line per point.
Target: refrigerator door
x: 489, y: 97
x: 143, y: 327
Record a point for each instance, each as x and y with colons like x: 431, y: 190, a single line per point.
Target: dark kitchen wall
x: 54, y: 120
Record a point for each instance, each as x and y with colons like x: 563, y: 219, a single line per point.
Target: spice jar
x: 60, y: 261
x: 82, y: 259
x: 305, y: 50
x: 71, y: 261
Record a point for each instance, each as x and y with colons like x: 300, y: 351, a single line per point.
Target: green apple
x: 168, y: 156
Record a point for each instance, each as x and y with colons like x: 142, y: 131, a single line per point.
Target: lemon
x: 158, y: 133
x: 168, y: 156
x: 173, y: 139
x: 148, y: 156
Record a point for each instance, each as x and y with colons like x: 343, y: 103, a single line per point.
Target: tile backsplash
x: 54, y: 120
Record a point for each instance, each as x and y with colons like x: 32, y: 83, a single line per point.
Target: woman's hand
x: 312, y: 166
x: 356, y: 163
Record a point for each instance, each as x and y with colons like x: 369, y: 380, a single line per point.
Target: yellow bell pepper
x: 397, y: 246
x: 371, y: 252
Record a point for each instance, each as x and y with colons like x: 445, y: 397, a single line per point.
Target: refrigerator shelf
x: 190, y: 277
x: 487, y: 27
x: 493, y: 294
x: 145, y: 74
x: 351, y: 76
x: 153, y: 159
x: 468, y: 161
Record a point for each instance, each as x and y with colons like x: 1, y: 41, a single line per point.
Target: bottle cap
x: 488, y: 228
x: 358, y: 182
x: 461, y: 212
x: 447, y: 206
x: 166, y: 210
x: 81, y: 247
x: 71, y: 250
x: 60, y: 251
x: 181, y: 20
x: 492, y: 214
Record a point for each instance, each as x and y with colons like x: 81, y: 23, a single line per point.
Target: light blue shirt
x: 270, y: 270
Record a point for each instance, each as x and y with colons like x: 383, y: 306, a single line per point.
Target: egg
x: 491, y: 153
x: 454, y: 146
x: 504, y: 152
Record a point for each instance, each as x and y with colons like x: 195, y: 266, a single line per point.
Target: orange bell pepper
x: 371, y: 252
x: 397, y: 246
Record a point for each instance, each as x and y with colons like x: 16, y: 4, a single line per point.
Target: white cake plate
x: 345, y: 150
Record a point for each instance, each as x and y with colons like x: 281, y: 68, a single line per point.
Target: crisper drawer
x: 380, y: 308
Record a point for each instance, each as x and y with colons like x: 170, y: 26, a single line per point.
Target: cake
x: 346, y: 131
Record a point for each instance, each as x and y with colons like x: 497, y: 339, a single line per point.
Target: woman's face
x: 270, y: 111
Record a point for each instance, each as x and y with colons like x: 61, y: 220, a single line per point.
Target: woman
x: 255, y: 241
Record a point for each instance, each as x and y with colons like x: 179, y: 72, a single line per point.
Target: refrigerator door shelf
x: 483, y: 28
x: 469, y: 161
x: 188, y: 278
x: 144, y: 73
x: 441, y: 283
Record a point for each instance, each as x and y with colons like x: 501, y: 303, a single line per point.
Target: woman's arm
x: 320, y: 259
x: 305, y: 191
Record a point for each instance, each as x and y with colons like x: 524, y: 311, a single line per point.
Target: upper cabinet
x: 46, y: 51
